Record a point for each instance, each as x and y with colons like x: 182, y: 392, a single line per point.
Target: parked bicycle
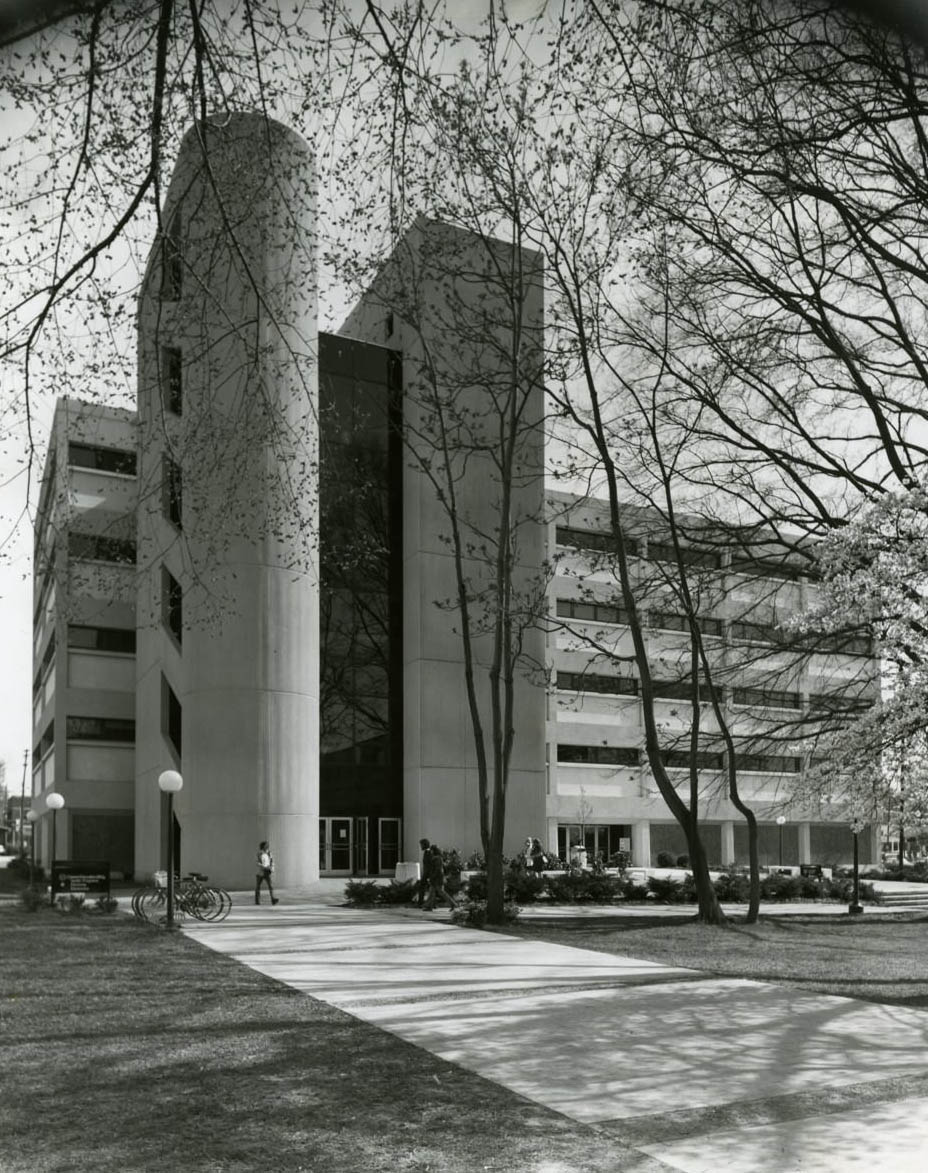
x: 192, y: 897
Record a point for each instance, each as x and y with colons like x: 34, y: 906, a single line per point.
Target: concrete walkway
x: 697, y: 1074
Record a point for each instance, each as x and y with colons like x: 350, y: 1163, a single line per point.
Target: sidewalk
x: 698, y: 1074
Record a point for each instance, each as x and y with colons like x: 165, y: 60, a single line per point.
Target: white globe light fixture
x: 170, y: 783
x: 54, y: 802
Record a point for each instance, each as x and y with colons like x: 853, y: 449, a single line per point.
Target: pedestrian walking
x: 436, y: 877
x: 264, y: 869
x: 422, y: 888
x: 524, y: 858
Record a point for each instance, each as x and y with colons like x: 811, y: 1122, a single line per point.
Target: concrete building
x: 778, y: 693
x: 248, y: 580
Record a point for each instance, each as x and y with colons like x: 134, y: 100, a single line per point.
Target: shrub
x: 778, y: 887
x: 32, y: 899
x: 396, y: 892
x: 475, y: 862
x: 667, y: 891
x: 732, y: 887
x: 523, y: 887
x: 633, y: 891
x: 473, y: 914
x: 620, y: 860
x: 365, y: 892
x: 577, y: 887
x: 476, y: 887
x: 73, y: 904
x: 106, y: 904
x: 665, y: 859
x: 683, y: 861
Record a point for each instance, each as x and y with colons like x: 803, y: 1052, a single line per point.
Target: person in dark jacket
x: 436, y: 878
x: 539, y: 859
x: 422, y: 888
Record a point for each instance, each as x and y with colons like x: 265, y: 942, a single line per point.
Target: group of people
x: 432, y: 878
x: 532, y: 856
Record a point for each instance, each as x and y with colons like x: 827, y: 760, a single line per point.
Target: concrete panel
x: 106, y: 763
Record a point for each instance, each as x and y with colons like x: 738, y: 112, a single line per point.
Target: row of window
x: 849, y: 643
x: 101, y: 639
x: 99, y: 548
x: 597, y: 540
x: 121, y: 729
x: 676, y: 759
x: 770, y: 698
x: 102, y: 459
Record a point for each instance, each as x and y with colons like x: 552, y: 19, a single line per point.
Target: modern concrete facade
x: 228, y: 506
x: 258, y: 592
x: 84, y: 634
x: 776, y: 692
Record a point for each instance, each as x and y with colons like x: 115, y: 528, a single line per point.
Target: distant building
x: 240, y: 580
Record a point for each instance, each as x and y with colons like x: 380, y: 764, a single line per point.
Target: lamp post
x: 169, y: 783
x: 855, y: 908
x: 781, y: 823
x: 54, y: 802
x: 31, y: 817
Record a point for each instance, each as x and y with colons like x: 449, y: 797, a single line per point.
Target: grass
x: 872, y: 957
x: 124, y: 1049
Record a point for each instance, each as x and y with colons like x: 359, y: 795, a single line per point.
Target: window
x: 172, y: 387
x: 171, y: 491
x: 680, y: 759
x: 102, y: 459
x: 45, y: 667
x: 599, y: 755
x: 97, y: 548
x: 102, y: 639
x: 767, y: 568
x: 101, y: 729
x: 689, y: 555
x: 45, y: 742
x: 590, y: 682
x: 761, y: 763
x: 848, y: 643
x: 769, y: 698
x: 170, y: 715
x: 763, y: 633
x: 172, y: 258
x: 172, y: 605
x: 682, y: 690
x: 582, y: 539
x: 597, y: 612
x: 837, y: 702
x: 672, y: 621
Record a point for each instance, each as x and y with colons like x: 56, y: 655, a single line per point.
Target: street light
x: 855, y: 908
x: 781, y: 823
x: 169, y: 783
x: 31, y: 817
x: 54, y: 802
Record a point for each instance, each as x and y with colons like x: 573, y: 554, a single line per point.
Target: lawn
x: 873, y: 957
x: 124, y: 1049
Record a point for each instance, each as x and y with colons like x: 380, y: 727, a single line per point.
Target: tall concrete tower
x: 227, y: 647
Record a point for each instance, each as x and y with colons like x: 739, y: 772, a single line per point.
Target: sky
x: 17, y: 491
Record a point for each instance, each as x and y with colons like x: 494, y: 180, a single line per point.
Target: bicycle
x: 192, y: 896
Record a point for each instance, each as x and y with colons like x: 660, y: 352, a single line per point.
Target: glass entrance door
x: 335, y: 845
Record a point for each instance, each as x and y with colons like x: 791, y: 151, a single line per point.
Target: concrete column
x: 805, y: 842
x: 245, y: 554
x: 728, y: 842
x: 641, y: 844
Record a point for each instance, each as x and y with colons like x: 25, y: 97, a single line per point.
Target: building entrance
x: 336, y: 844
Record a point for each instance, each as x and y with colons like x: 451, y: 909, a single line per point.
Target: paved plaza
x: 691, y: 1072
